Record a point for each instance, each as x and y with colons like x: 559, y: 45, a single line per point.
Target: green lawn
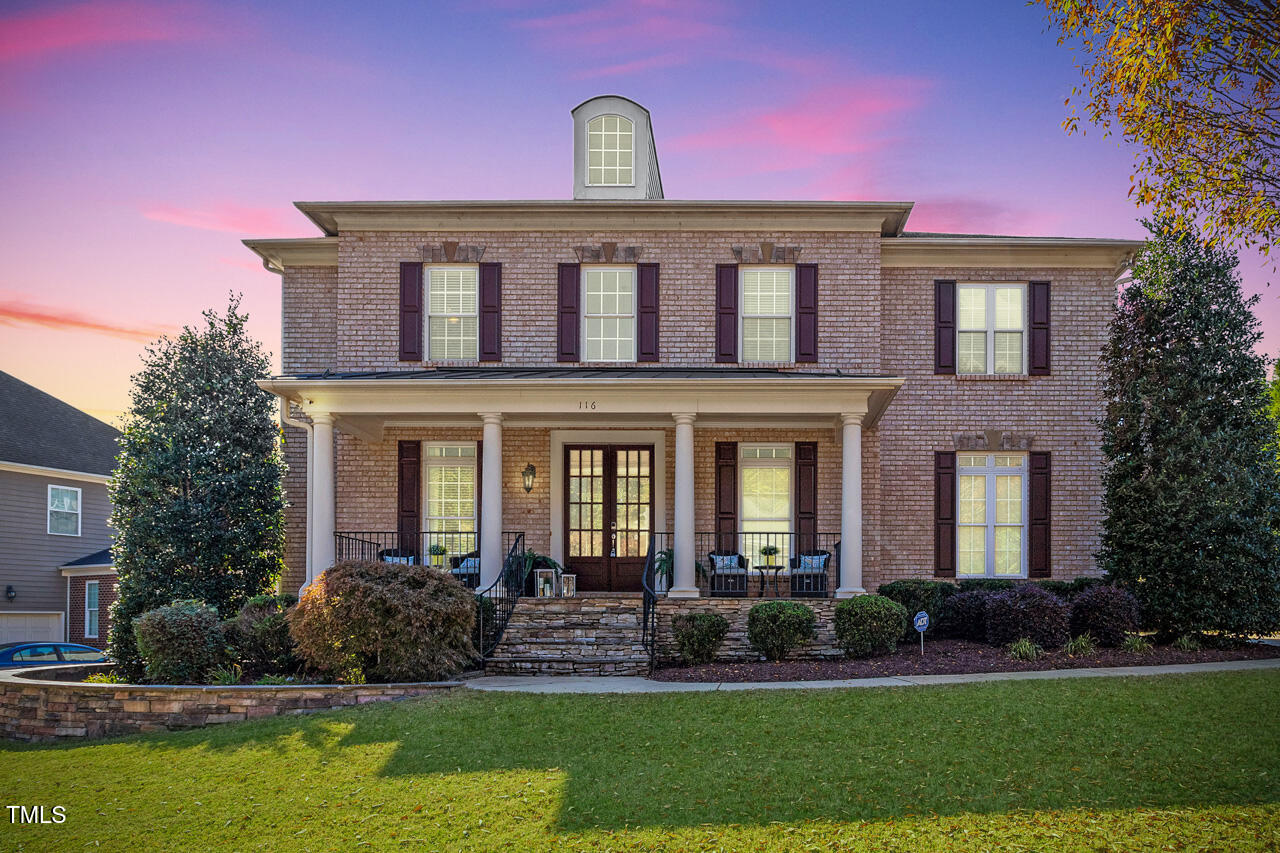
x: 1100, y: 763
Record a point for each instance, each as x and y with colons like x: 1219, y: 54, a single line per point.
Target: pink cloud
x: 633, y: 21
x: 967, y: 215
x: 16, y: 311
x: 35, y: 33
x: 662, y: 60
x: 228, y: 217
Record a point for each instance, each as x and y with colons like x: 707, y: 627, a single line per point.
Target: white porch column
x: 323, y: 498
x: 491, y: 554
x: 851, y: 509
x: 684, y: 584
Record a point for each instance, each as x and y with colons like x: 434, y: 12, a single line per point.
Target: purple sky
x: 142, y: 139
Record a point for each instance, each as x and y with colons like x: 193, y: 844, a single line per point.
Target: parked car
x: 39, y: 654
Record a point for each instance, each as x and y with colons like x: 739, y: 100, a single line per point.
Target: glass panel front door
x: 608, y: 514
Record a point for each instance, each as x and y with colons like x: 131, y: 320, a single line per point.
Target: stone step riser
x: 577, y: 636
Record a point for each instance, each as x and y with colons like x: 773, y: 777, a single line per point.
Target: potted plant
x: 663, y: 570
x: 769, y: 552
x: 437, y: 552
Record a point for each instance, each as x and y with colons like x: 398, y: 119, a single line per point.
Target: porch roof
x: 365, y: 402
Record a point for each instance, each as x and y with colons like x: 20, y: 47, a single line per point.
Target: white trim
x: 789, y: 462
x: 586, y: 149
x: 742, y: 315
x: 49, y: 510
x: 87, y: 571
x: 64, y: 473
x: 427, y: 269
x: 561, y: 437
x: 472, y: 462
x: 97, y: 610
x: 989, y: 471
x: 990, y: 328
x: 635, y: 312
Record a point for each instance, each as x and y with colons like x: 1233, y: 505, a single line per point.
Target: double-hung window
x: 609, y: 318
x: 64, y: 511
x: 991, y: 328
x: 450, y: 498
x: 610, y: 149
x: 91, y: 609
x: 452, y: 322
x: 765, y: 513
x: 768, y: 311
x: 991, y: 527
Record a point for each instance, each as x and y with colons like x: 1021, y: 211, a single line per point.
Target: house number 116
x: 586, y: 404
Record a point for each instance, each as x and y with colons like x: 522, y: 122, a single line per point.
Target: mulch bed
x: 949, y: 657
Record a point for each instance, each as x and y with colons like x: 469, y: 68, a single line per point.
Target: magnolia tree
x: 1192, y: 492
x: 196, y: 498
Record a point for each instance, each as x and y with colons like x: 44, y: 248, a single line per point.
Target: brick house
x: 797, y: 398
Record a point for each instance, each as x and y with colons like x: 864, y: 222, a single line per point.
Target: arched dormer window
x: 610, y: 152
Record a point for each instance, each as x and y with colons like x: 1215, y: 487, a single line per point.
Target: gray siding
x: 29, y: 555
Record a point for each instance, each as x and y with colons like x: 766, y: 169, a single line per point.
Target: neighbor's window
x: 91, y: 609
x: 450, y: 498
x: 991, y: 526
x: 991, y: 328
x: 767, y: 313
x: 64, y: 510
x: 609, y: 321
x: 452, y: 324
x: 610, y: 149
x: 765, y: 474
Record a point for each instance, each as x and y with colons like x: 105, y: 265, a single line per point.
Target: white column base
x: 850, y: 592
x: 683, y: 593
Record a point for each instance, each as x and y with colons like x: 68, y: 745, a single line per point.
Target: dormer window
x: 610, y: 149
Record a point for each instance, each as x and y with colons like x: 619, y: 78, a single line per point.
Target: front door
x: 608, y: 514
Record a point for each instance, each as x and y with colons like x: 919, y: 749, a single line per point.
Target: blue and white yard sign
x: 922, y: 621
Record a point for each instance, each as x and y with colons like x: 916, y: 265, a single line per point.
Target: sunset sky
x: 141, y: 140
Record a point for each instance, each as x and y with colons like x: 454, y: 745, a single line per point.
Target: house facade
x: 56, y: 571
x: 796, y: 398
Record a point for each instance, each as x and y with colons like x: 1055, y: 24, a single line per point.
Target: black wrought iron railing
x: 649, y: 612
x: 775, y: 564
x: 454, y: 552
x: 496, y: 603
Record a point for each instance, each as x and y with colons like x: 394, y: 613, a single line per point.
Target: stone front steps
x: 590, y: 635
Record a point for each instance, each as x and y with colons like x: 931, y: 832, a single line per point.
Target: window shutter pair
x: 944, y: 328
x: 805, y: 508
x: 806, y: 308
x: 413, y: 311
x: 409, y: 492
x: 1039, y: 564
x: 569, y: 308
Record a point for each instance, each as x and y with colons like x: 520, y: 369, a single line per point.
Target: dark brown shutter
x: 569, y: 285
x: 647, y: 312
x: 944, y: 514
x: 1038, y: 346
x: 726, y: 495
x: 1038, y: 563
x: 491, y: 312
x: 408, y: 495
x: 806, y: 312
x: 726, y: 313
x: 411, y: 297
x: 944, y: 327
x: 806, y: 496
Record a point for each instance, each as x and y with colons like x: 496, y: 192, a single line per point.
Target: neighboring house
x: 55, y: 568
x: 620, y: 369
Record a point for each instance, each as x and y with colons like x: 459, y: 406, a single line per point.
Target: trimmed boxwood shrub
x: 965, y: 615
x: 375, y: 621
x: 259, y: 636
x: 180, y: 643
x: 1068, y: 590
x: 916, y: 595
x: 699, y: 636
x: 988, y: 584
x: 777, y: 628
x: 1027, y: 612
x: 869, y: 625
x: 1108, y: 613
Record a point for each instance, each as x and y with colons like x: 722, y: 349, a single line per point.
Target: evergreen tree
x: 196, y: 498
x: 1192, y: 491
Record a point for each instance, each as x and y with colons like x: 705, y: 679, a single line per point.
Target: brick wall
x: 76, y: 616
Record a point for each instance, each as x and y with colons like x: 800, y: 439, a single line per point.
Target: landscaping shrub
x: 869, y: 625
x: 699, y: 636
x: 916, y: 595
x: 259, y: 635
x: 226, y: 676
x: 1080, y: 645
x: 1108, y: 613
x: 180, y: 643
x: 376, y: 621
x: 1027, y: 612
x: 964, y: 616
x: 1024, y: 649
x: 777, y: 628
x: 1137, y: 644
x: 1068, y: 590
x: 1187, y: 643
x: 987, y: 584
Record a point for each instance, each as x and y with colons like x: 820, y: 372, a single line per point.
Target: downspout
x: 306, y: 427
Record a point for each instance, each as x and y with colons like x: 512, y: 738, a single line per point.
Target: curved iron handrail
x: 496, y: 603
x: 649, y: 613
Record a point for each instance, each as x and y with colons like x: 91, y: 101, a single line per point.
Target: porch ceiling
x: 366, y: 403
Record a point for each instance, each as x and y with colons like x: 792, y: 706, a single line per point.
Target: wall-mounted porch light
x: 10, y: 593
x: 528, y: 475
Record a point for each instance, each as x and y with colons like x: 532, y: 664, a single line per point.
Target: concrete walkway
x: 636, y: 684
